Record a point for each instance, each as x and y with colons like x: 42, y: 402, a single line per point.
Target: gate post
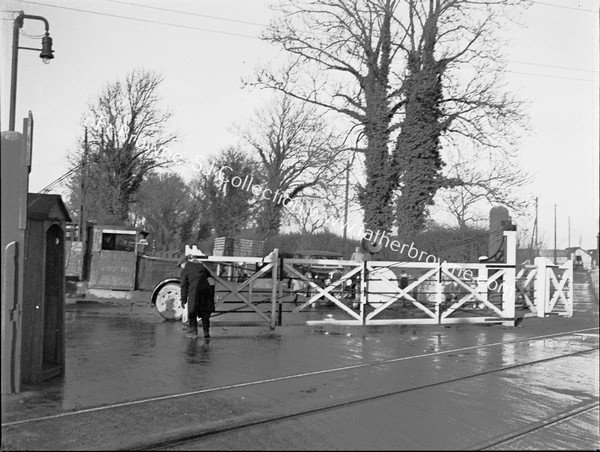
x: 16, y: 164
x: 274, y: 281
x: 439, y: 295
x: 540, y: 286
x: 280, y: 292
x: 363, y: 293
x: 509, y: 286
x: 569, y: 275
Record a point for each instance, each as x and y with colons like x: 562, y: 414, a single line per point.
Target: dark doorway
x: 53, y: 302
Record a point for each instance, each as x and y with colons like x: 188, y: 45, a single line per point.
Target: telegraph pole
x: 82, y: 187
x: 555, y: 233
x: 536, y: 222
x: 534, y: 237
x: 346, y: 204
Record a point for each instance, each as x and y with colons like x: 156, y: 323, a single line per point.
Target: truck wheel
x: 168, y: 301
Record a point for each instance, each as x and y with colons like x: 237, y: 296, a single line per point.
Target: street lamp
x: 46, y: 55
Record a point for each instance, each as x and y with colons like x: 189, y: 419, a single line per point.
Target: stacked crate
x: 228, y: 246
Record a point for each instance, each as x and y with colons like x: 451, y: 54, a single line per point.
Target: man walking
x: 198, y: 294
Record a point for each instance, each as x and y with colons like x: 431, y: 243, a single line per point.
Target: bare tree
x: 477, y: 184
x: 165, y: 209
x: 395, y: 69
x: 343, y: 55
x: 127, y: 138
x: 296, y: 151
x: 316, y: 209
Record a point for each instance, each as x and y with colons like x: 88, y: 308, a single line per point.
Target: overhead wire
x: 257, y: 24
x: 468, y: 240
x: 139, y: 19
x: 555, y: 66
x: 565, y: 7
x: 256, y: 37
x: 187, y: 13
x: 553, y: 76
x: 59, y: 180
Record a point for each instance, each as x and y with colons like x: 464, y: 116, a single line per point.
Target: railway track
x: 501, y: 442
x: 195, y: 436
x: 195, y: 440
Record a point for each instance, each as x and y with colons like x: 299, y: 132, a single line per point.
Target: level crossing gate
x: 243, y: 285
x: 392, y: 292
x: 435, y: 293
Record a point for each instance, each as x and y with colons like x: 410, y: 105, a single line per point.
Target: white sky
x: 553, y: 63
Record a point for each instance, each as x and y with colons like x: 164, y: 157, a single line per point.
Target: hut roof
x: 41, y: 206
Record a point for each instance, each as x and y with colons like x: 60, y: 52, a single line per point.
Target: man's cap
x: 191, y: 252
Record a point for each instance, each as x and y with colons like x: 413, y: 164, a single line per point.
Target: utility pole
x: 536, y: 222
x: 555, y: 233
x: 82, y: 187
x: 346, y: 203
x: 534, y: 238
x: 569, y: 240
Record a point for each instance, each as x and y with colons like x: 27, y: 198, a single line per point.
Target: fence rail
x: 392, y: 292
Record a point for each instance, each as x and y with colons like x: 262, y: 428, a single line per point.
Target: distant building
x: 594, y: 254
x: 581, y: 258
x: 561, y: 256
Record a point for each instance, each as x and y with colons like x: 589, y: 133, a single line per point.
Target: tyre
x: 167, y: 299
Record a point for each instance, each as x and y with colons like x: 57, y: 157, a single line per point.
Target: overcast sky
x: 553, y: 64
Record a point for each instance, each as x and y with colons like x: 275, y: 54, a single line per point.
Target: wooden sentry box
x: 43, y: 326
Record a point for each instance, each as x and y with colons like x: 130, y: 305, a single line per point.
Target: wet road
x: 133, y: 380
x: 464, y: 413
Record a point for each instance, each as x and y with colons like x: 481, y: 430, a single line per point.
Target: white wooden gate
x: 438, y: 293
x: 391, y: 292
x: 230, y: 291
x: 554, y: 288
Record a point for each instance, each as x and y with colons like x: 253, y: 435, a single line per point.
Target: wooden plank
x: 112, y: 270
x: 74, y: 258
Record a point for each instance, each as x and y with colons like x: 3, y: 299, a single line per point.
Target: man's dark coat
x: 195, y: 287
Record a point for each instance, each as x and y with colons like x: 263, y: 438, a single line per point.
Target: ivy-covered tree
x: 342, y: 58
x: 452, y: 90
x: 411, y: 76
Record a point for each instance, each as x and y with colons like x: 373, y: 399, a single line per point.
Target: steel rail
x: 183, y: 439
x: 289, y: 377
x: 557, y: 418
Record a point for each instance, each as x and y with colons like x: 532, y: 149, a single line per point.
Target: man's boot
x: 192, y: 333
x: 206, y: 327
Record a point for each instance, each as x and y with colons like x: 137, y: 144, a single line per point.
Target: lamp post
x: 46, y: 55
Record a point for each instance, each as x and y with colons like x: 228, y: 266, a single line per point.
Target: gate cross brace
x: 522, y: 289
x: 325, y: 292
x: 558, y: 286
x: 235, y: 290
x: 403, y: 292
x: 473, y: 293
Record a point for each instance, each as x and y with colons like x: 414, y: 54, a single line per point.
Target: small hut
x: 43, y: 327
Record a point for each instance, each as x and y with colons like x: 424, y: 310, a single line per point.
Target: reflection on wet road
x: 431, y: 386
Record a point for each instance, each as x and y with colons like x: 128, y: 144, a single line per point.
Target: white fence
x: 390, y: 292
x: 437, y: 293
